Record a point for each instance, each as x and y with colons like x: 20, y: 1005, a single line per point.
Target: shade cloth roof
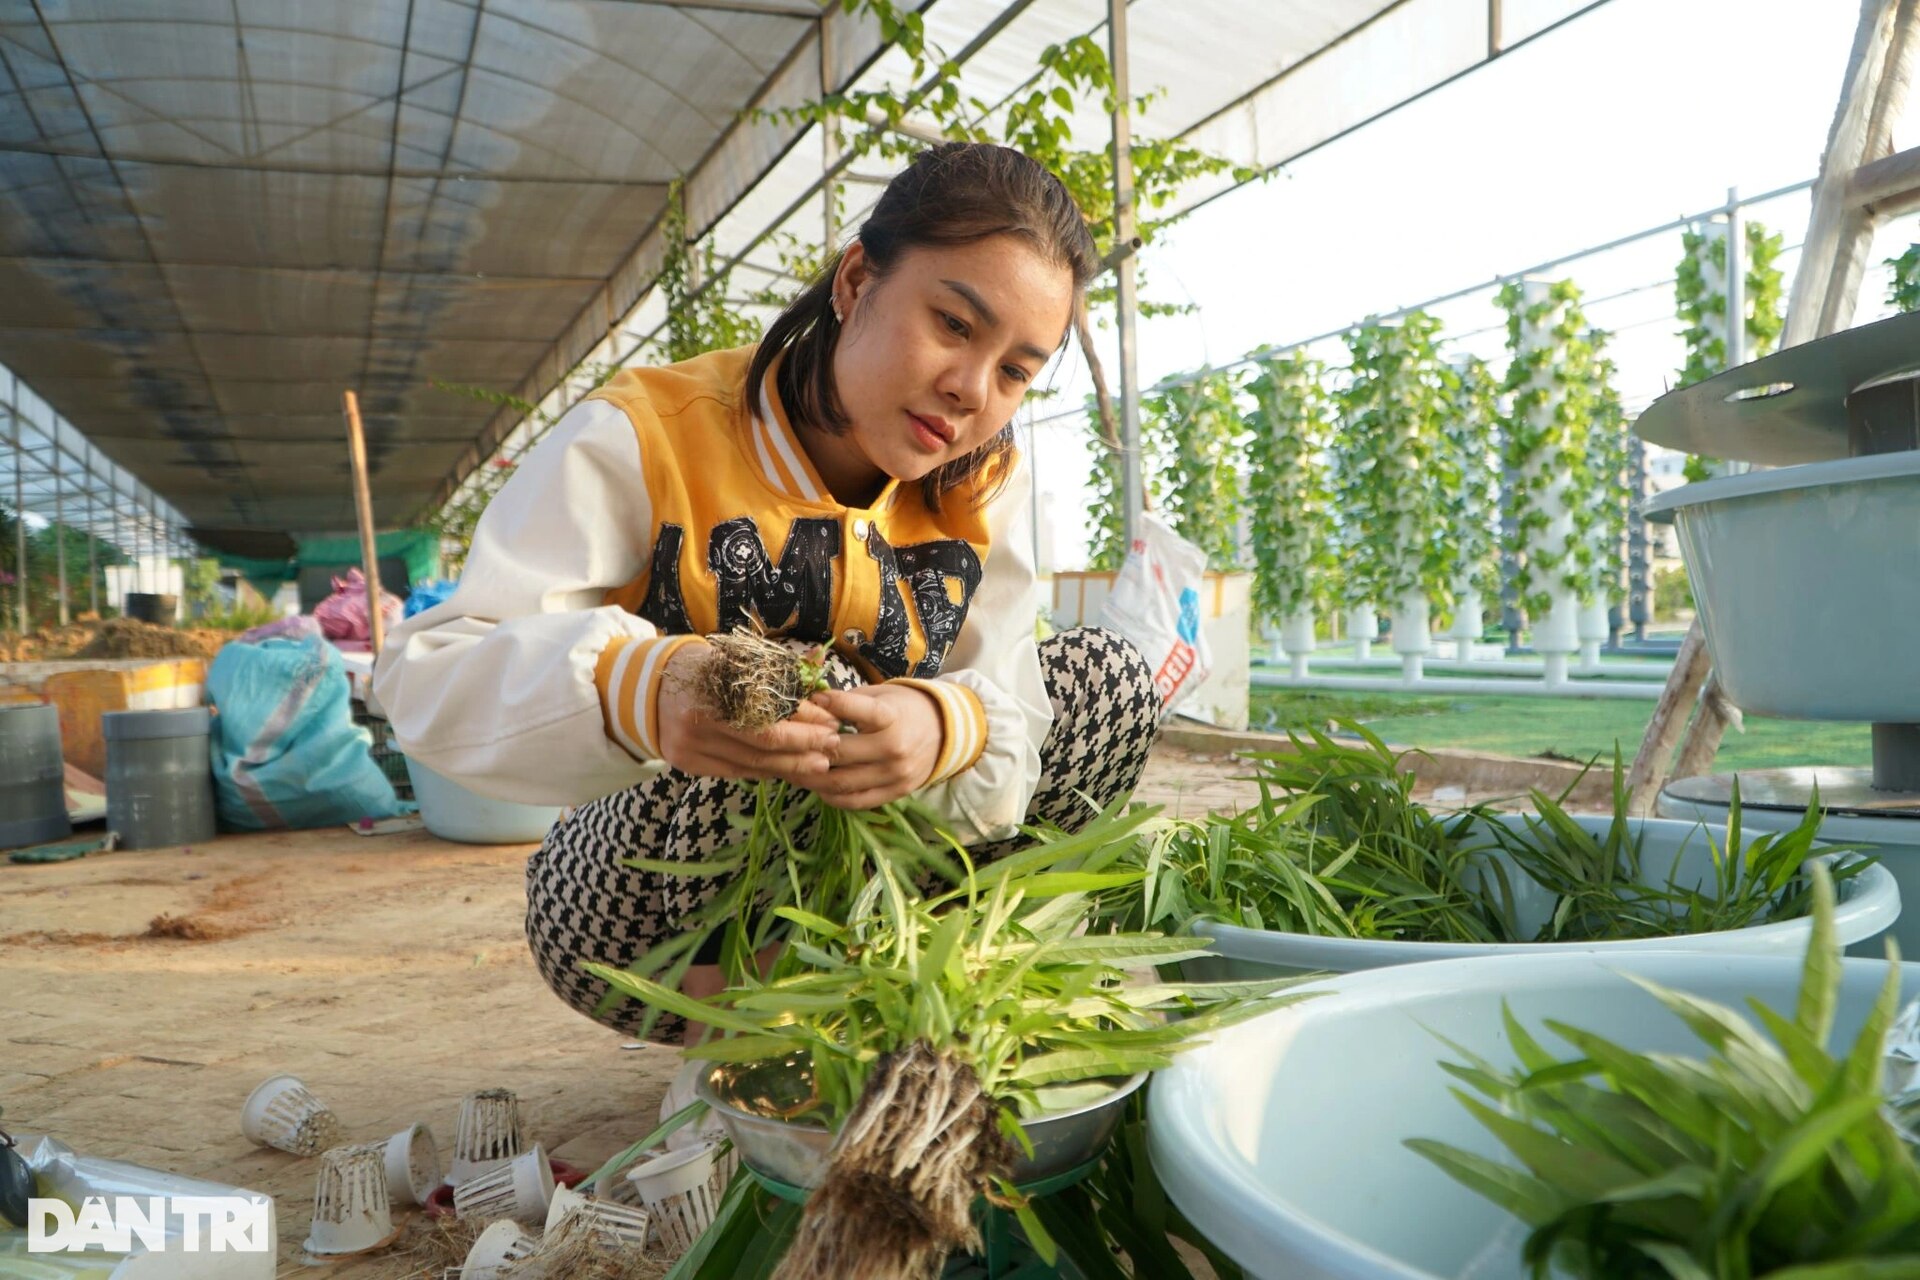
x: 217, y: 214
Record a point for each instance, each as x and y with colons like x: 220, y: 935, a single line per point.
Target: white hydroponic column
x: 1412, y: 624
x: 1592, y: 629
x: 1557, y: 635
x: 1469, y: 618
x: 1296, y: 638
x: 1363, y: 624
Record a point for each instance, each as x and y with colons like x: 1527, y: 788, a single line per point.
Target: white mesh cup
x: 282, y: 1113
x: 677, y: 1189
x: 487, y: 1135
x: 503, y: 1249
x: 413, y: 1166
x: 610, y: 1227
x: 520, y: 1189
x: 351, y: 1213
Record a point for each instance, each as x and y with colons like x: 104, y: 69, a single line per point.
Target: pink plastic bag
x: 343, y: 615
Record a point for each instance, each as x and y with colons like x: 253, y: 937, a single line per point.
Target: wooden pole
x: 363, y: 505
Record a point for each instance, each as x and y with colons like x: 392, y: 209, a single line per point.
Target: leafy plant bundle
x: 930, y: 1024
x: 1338, y: 847
x: 1602, y: 891
x: 796, y: 850
x: 1767, y: 1156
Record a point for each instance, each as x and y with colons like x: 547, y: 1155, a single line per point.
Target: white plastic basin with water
x: 1281, y: 1138
x: 1680, y: 851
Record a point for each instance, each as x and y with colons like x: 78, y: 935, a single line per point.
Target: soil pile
x: 114, y: 638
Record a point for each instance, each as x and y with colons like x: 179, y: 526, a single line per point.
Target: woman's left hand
x: 896, y: 740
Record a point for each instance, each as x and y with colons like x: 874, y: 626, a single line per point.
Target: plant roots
x: 923, y: 1141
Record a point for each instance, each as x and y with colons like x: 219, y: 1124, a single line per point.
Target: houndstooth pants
x: 584, y: 904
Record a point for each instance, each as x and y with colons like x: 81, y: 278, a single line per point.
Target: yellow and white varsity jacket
x: 660, y: 509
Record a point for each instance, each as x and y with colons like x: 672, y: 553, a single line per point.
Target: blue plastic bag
x: 286, y: 752
x: 428, y: 594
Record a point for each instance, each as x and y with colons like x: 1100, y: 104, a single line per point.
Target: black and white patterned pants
x: 584, y: 905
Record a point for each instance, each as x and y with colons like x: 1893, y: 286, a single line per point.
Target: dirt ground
x: 148, y: 992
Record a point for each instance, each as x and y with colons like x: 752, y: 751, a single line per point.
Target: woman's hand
x: 799, y: 750
x: 896, y: 740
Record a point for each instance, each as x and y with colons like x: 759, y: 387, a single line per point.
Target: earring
x: 837, y: 317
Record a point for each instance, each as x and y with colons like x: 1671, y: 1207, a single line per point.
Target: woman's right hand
x: 799, y: 750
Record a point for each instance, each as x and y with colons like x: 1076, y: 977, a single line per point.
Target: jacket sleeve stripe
x: 963, y: 722
x: 629, y: 674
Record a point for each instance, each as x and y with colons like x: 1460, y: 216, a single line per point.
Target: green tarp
x: 419, y: 548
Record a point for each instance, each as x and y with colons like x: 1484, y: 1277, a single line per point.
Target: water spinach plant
x: 1768, y: 1154
x: 1337, y: 846
x: 930, y: 1026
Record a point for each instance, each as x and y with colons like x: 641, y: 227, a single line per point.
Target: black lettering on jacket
x: 799, y: 590
x: 927, y: 566
x: 664, y: 606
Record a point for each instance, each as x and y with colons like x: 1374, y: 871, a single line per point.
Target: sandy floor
x: 388, y: 972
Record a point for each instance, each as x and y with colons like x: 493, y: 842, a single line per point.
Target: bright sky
x: 1637, y: 114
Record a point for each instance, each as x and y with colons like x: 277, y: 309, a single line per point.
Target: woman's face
x: 934, y: 357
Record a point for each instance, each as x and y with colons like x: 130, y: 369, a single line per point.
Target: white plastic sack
x: 1155, y: 604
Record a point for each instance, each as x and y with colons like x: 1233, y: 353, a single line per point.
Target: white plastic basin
x: 454, y: 813
x: 1806, y: 582
x: 1281, y: 1137
x: 1869, y: 904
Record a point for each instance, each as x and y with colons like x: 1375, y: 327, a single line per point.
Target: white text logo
x: 204, y: 1224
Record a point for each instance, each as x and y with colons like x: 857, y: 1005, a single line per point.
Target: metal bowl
x: 750, y: 1097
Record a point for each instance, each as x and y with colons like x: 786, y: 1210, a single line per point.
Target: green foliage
x: 1903, y: 290
x: 700, y: 316
x: 1196, y: 430
x: 1393, y: 472
x: 1609, y: 444
x: 42, y: 570
x: 1672, y: 593
x: 1546, y: 447
x: 1470, y: 503
x: 1702, y: 306
x: 201, y: 583
x: 1106, y: 482
x: 1289, y: 524
x: 1338, y: 847
x: 1766, y: 1155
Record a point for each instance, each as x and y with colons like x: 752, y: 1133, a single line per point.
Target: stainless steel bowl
x: 750, y: 1097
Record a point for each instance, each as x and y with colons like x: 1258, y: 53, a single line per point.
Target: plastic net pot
x: 33, y: 796
x: 282, y: 1113
x: 605, y: 1225
x: 520, y: 1189
x: 413, y: 1166
x: 159, y: 777
x: 677, y: 1189
x: 503, y: 1250
x: 487, y: 1134
x: 351, y: 1213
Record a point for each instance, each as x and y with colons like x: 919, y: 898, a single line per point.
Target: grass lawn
x: 1576, y: 728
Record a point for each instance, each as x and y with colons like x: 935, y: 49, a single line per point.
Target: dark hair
x: 952, y: 194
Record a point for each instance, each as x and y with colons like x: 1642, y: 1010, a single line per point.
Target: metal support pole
x: 60, y: 533
x: 1127, y: 296
x: 829, y: 145
x: 1736, y: 281
x: 19, y: 507
x: 93, y: 541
